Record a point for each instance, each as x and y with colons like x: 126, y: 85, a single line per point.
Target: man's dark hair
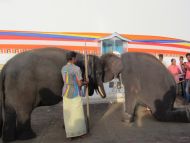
x: 70, y: 55
x: 160, y: 55
x: 188, y: 54
x: 172, y: 60
x: 181, y: 57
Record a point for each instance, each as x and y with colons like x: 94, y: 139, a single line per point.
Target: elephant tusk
x: 100, y: 91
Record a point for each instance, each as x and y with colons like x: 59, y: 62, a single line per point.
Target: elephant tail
x: 2, y: 97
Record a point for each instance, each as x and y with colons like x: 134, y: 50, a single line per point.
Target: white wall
x: 147, y: 17
x: 5, y: 57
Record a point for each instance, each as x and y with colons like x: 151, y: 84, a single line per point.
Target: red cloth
x: 188, y: 70
x: 175, y: 71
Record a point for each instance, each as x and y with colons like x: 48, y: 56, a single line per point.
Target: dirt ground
x: 106, y: 127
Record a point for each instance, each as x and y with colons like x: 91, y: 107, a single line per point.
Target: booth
x: 113, y: 43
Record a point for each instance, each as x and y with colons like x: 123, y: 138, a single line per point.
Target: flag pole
x: 87, y: 96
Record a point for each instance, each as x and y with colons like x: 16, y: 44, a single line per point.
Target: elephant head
x: 100, y: 70
x: 95, y: 74
x: 112, y: 66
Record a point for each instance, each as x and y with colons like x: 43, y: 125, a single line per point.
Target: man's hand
x: 85, y: 82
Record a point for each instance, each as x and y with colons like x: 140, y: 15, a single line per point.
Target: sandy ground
x: 106, y: 127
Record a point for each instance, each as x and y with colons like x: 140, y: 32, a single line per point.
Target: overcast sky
x: 148, y: 17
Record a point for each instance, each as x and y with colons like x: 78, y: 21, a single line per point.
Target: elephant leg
x: 163, y: 110
x: 166, y: 112
x: 129, y: 109
x: 174, y: 115
x: 1, y: 121
x: 1, y: 126
x: 9, y: 124
x: 24, y: 130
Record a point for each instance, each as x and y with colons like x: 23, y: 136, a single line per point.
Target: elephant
x: 147, y: 82
x: 32, y: 79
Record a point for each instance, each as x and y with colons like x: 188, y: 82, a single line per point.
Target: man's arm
x: 81, y: 83
x: 79, y: 78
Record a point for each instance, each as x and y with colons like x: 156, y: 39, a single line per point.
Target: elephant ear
x: 112, y: 66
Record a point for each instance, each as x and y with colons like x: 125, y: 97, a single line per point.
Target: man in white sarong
x: 73, y: 112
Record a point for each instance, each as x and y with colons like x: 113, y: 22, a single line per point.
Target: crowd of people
x: 181, y: 74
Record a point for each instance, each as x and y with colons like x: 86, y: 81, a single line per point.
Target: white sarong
x: 74, y: 119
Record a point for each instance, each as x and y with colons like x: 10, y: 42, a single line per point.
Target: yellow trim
x: 67, y: 34
x: 67, y: 79
x: 184, y: 44
x: 66, y: 93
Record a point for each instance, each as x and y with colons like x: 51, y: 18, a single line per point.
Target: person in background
x: 174, y: 70
x: 161, y: 59
x: 73, y: 112
x: 182, y: 64
x: 182, y: 75
x: 187, y: 77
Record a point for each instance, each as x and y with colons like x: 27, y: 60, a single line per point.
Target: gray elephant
x: 33, y: 79
x: 148, y: 83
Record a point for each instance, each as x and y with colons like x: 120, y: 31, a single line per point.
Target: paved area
x: 106, y: 127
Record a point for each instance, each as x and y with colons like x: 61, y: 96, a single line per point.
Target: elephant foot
x: 127, y: 119
x: 0, y: 134
x: 7, y: 139
x: 1, y: 126
x: 127, y: 122
x: 9, y: 125
x: 26, y: 135
x: 24, y: 131
x: 8, y: 135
